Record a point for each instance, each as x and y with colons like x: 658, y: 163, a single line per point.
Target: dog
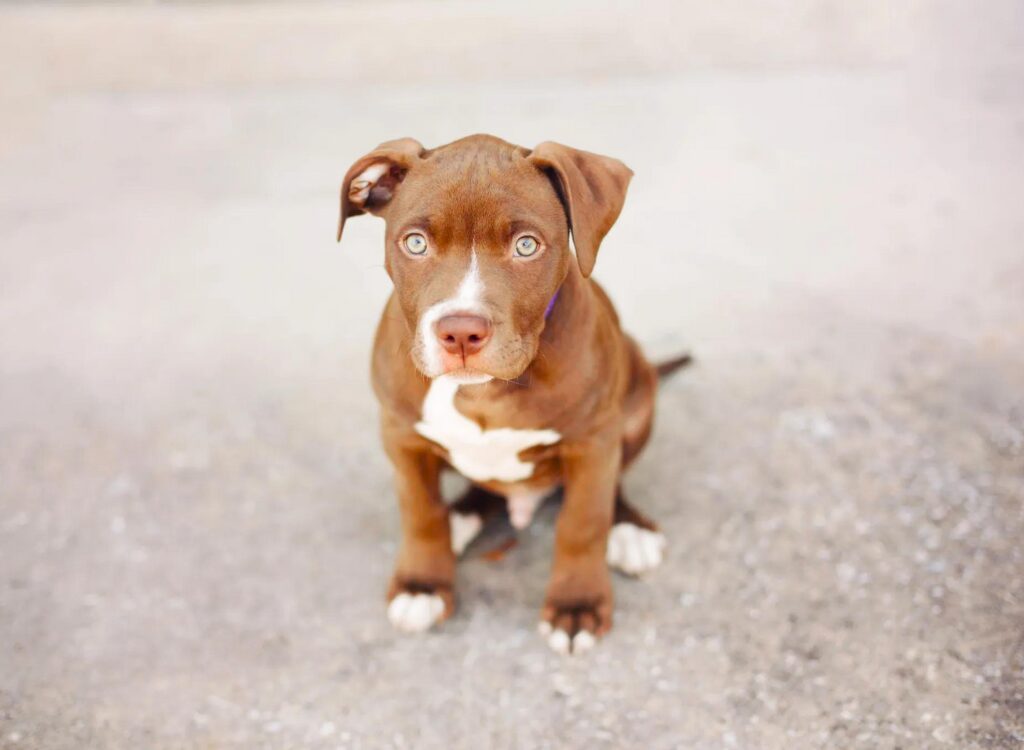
x: 499, y: 357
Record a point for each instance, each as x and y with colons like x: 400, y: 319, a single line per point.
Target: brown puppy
x: 497, y: 356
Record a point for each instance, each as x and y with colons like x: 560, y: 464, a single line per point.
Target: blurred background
x: 196, y: 517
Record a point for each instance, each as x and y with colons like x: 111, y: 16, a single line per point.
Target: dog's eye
x: 416, y: 243
x: 526, y: 246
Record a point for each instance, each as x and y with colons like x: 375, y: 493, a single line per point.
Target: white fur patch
x: 359, y: 188
x: 478, y: 454
x: 635, y: 550
x: 466, y: 300
x: 583, y: 641
x: 414, y: 613
x: 464, y: 528
x: 522, y: 504
x: 560, y: 642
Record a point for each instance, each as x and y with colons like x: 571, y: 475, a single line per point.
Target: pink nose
x: 463, y: 334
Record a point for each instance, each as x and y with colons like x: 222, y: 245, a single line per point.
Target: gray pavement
x: 196, y: 520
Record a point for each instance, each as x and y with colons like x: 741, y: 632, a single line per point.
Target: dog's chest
x: 477, y: 453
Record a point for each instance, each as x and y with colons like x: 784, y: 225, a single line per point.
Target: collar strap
x: 551, y: 304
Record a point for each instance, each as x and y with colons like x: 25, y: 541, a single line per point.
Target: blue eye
x: 526, y: 246
x: 415, y: 243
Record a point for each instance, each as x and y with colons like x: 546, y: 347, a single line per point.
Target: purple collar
x: 551, y: 304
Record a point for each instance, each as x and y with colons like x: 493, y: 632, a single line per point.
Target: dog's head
x: 477, y: 241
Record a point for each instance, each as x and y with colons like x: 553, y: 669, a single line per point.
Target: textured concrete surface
x: 196, y: 521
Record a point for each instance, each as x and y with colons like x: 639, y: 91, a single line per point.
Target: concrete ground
x: 196, y: 520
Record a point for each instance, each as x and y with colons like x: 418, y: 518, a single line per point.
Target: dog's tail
x: 669, y: 366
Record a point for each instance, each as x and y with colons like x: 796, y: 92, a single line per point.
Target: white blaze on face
x: 467, y: 299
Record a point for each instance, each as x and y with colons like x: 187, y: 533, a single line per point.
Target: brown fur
x: 575, y: 372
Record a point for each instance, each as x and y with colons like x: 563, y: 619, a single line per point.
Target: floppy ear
x: 370, y: 183
x: 593, y: 189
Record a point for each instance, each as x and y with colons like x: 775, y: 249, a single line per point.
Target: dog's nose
x: 465, y: 334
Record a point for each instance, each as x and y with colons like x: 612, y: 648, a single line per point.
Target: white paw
x: 465, y: 527
x: 561, y: 643
x: 635, y: 550
x: 414, y: 613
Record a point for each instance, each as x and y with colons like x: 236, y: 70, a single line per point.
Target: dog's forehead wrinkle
x: 492, y: 212
x: 464, y: 169
x: 481, y: 148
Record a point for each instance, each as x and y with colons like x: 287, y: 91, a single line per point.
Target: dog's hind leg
x: 638, y: 404
x: 469, y: 513
x: 635, y: 546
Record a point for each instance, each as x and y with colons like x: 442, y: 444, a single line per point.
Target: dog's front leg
x: 420, y: 593
x: 578, y: 607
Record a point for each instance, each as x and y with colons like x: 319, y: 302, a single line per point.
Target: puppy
x: 497, y: 356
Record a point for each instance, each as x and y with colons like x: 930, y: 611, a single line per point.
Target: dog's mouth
x: 468, y: 376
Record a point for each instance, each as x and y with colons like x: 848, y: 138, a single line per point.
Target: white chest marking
x: 478, y: 454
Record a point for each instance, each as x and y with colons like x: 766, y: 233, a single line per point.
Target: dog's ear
x: 592, y: 188
x: 370, y: 183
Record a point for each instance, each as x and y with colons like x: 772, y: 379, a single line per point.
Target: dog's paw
x: 574, y: 630
x: 562, y: 643
x: 634, y: 550
x: 414, y: 611
x: 464, y: 529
